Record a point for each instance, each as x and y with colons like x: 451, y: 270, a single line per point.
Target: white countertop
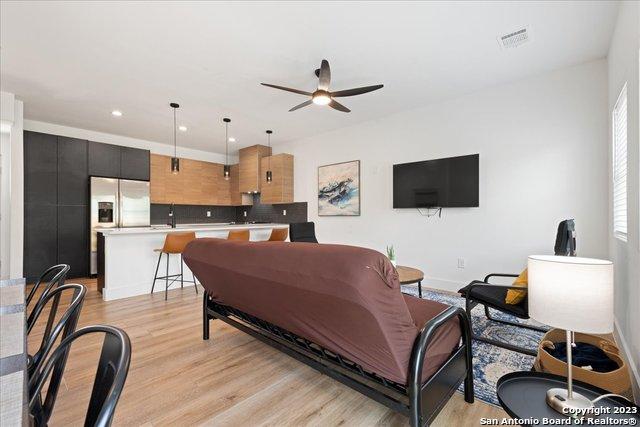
x: 186, y: 227
x: 131, y: 257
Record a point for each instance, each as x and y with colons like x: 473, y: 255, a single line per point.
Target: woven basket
x: 616, y: 381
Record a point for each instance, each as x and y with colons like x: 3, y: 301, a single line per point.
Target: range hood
x: 250, y: 170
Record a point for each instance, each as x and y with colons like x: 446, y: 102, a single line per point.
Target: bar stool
x: 239, y: 235
x: 174, y: 243
x: 279, y: 234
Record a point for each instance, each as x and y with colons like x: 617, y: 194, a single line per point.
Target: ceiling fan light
x: 321, y: 99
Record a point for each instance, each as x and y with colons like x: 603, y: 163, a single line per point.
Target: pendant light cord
x: 269, y: 141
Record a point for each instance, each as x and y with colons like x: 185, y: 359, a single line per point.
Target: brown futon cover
x: 344, y: 298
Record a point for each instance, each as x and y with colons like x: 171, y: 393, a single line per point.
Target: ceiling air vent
x: 515, y: 38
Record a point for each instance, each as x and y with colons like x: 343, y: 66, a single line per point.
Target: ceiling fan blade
x: 304, y: 104
x: 356, y: 91
x: 337, y: 106
x: 288, y: 89
x: 325, y: 75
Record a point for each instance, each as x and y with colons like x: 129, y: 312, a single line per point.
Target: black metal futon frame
x: 421, y: 402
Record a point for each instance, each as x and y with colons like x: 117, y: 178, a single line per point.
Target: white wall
x: 11, y: 188
x: 543, y: 151
x: 623, y: 68
x: 155, y: 147
x: 17, y: 192
x: 5, y: 201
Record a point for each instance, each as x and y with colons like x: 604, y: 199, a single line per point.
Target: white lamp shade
x: 571, y: 293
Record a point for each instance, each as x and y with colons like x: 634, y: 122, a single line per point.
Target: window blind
x: 619, y: 125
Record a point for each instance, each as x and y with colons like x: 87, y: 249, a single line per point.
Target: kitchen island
x: 127, y: 261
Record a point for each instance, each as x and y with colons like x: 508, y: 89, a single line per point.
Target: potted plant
x: 391, y: 253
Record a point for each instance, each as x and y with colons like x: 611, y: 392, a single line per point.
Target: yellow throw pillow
x: 515, y: 296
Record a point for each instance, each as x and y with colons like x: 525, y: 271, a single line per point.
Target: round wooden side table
x: 410, y: 275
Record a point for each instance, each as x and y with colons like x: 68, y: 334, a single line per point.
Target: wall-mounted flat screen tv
x: 439, y: 183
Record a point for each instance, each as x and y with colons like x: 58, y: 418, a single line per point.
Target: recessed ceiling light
x: 232, y: 139
x: 116, y: 113
x: 183, y: 128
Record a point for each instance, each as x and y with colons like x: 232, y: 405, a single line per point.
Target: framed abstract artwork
x: 339, y: 189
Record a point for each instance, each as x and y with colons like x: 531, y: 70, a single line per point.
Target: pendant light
x: 175, y: 161
x: 269, y: 172
x: 227, y: 168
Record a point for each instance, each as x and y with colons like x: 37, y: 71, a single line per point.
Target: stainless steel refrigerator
x: 117, y: 203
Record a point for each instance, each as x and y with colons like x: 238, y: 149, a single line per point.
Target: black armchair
x: 302, y: 232
x: 493, y: 296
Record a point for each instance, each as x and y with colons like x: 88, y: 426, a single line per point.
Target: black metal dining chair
x: 52, y: 276
x: 65, y: 326
x: 111, y: 375
x: 303, y: 232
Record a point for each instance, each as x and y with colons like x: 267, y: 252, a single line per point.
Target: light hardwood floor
x: 176, y: 378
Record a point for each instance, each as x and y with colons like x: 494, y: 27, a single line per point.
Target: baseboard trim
x: 443, y: 284
x: 120, y: 292
x: 635, y: 378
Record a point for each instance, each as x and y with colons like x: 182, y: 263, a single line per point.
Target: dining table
x: 13, y: 353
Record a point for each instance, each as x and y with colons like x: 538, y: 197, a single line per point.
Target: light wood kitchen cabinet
x: 235, y: 197
x: 223, y: 187
x: 280, y: 189
x: 159, y: 182
x: 250, y: 171
x: 211, y: 191
x: 197, y: 183
x: 238, y: 198
x: 190, y: 179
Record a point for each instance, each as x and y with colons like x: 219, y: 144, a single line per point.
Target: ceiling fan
x: 322, y: 96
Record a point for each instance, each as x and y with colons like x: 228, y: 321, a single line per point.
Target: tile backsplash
x: 196, y: 214
x: 192, y: 214
x: 296, y: 212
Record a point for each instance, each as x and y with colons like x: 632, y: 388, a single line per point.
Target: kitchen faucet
x: 172, y: 217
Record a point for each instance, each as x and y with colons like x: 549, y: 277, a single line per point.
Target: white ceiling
x: 74, y: 62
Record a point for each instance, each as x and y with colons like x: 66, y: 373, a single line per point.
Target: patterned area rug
x: 489, y: 362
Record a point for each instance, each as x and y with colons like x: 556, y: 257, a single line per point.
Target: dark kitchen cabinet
x: 73, y: 175
x: 73, y: 244
x: 40, y: 168
x: 104, y: 160
x: 40, y: 239
x: 56, y: 195
x: 134, y: 163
